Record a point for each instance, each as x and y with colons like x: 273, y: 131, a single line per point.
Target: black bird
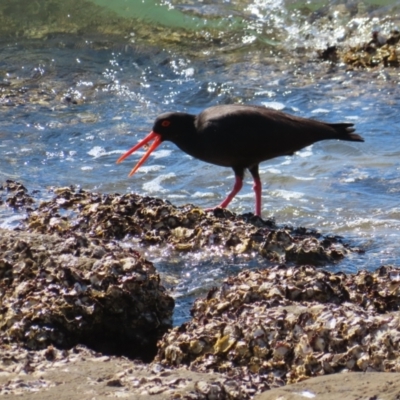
x: 240, y: 137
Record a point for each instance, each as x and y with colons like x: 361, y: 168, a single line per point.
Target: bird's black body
x: 241, y: 137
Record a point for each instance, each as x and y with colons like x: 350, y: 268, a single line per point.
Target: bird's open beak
x: 157, y: 141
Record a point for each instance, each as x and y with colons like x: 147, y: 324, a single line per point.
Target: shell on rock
x: 64, y: 291
x: 153, y: 221
x: 285, y: 324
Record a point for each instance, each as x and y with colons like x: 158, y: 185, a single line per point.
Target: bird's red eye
x: 166, y: 123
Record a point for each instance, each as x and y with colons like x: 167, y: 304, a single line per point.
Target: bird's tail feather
x: 345, y: 132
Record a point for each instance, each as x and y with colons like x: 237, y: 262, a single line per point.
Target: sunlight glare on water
x: 70, y: 106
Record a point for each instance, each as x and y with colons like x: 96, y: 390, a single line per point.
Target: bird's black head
x: 171, y: 126
x: 175, y: 127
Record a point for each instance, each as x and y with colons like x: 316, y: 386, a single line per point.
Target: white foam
x: 304, y: 178
x: 178, y: 196
x: 273, y: 104
x: 97, y: 151
x: 268, y: 93
x: 306, y: 152
x: 249, y: 195
x: 9, y: 222
x: 287, y: 195
x: 320, y: 111
x: 154, y: 186
x: 161, y: 153
x: 150, y: 168
x: 353, y: 117
x: 117, y: 152
x: 362, y: 223
x: 55, y: 154
x: 273, y: 171
x: 188, y: 72
x: 353, y: 176
x: 202, y: 194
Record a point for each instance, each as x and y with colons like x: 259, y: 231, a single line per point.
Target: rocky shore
x: 84, y: 315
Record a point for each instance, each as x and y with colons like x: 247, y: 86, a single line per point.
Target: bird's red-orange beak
x: 157, y: 141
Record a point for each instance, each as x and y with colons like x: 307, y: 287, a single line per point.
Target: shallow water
x: 78, y: 102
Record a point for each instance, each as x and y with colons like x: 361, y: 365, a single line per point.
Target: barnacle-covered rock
x: 153, y: 221
x: 377, y: 290
x: 57, y: 291
x: 381, y: 50
x: 15, y: 195
x: 285, y: 324
x: 366, y: 56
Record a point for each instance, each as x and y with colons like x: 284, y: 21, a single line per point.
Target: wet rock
x: 15, y: 195
x: 330, y: 53
x: 63, y: 292
x: 67, y: 279
x: 152, y: 221
x: 381, y: 50
x: 282, y: 325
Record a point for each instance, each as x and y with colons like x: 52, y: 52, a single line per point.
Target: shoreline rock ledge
x: 79, y: 304
x: 65, y: 292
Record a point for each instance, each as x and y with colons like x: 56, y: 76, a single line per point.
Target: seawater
x: 82, y: 99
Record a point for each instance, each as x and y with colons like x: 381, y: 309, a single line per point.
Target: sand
x: 98, y: 377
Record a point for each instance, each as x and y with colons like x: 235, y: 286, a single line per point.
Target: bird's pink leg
x: 257, y: 187
x: 236, y: 189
